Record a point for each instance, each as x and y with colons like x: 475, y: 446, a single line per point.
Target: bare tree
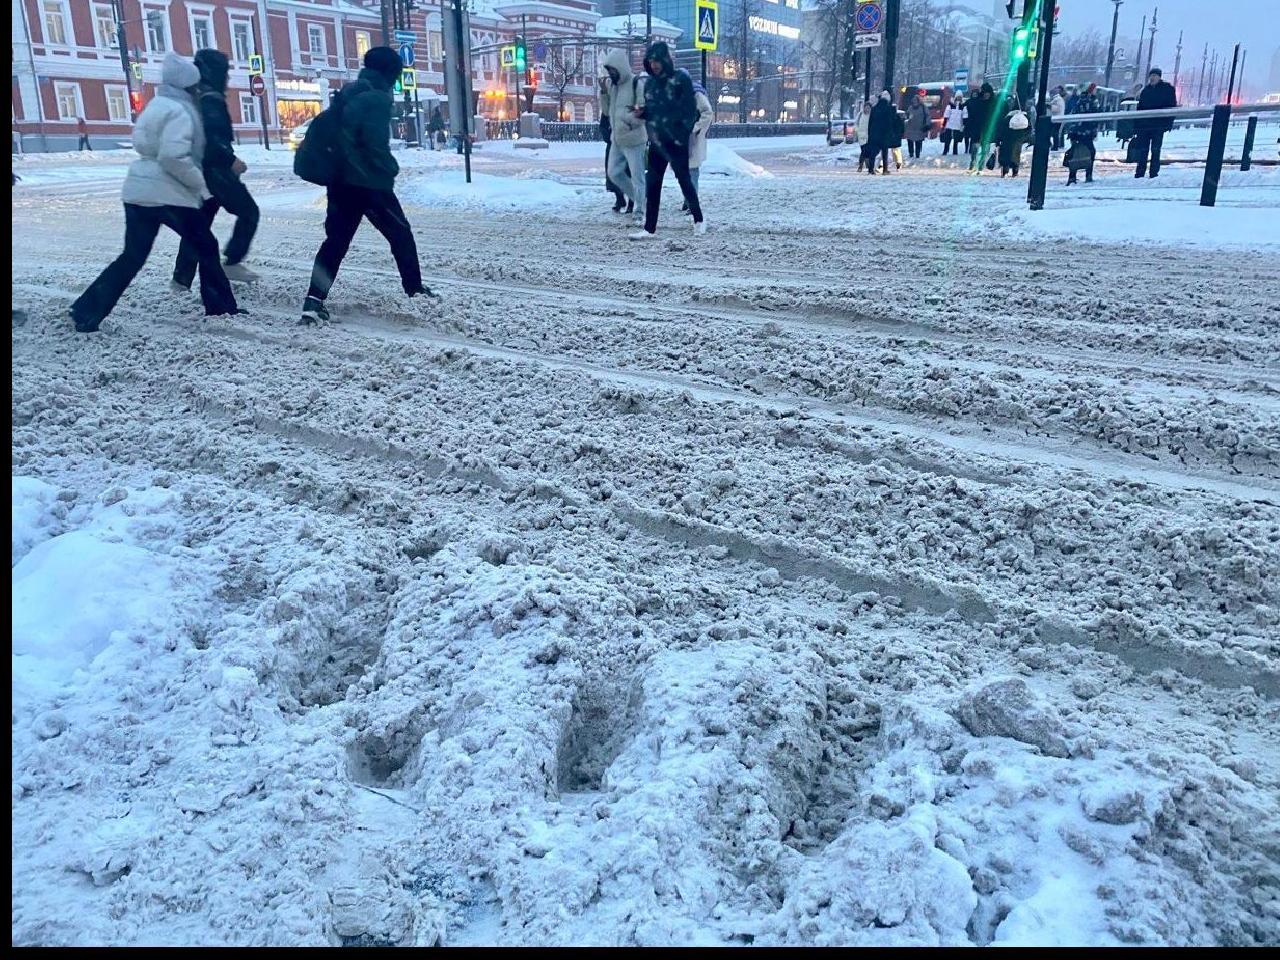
x: 564, y: 66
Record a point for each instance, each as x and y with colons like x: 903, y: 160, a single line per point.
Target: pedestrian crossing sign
x: 706, y: 16
x: 255, y: 64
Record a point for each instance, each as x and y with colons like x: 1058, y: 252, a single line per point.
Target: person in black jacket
x: 882, y: 131
x: 981, y: 108
x: 222, y: 170
x: 670, y: 113
x: 1149, y: 134
x: 368, y: 185
x: 1082, y: 135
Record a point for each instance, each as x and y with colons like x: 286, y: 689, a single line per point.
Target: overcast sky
x: 1255, y: 24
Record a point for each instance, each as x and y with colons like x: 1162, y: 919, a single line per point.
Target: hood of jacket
x: 214, y: 67
x: 619, y: 60
x: 662, y: 53
x: 178, y: 72
x: 376, y: 79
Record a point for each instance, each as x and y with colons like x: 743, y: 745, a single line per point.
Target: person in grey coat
x: 918, y: 126
x: 163, y: 188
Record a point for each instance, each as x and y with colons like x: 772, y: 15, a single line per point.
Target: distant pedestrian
x: 1082, y: 154
x: 435, y: 127
x: 163, y: 188
x: 670, y: 112
x: 883, y: 130
x: 866, y: 154
x: 366, y: 185
x: 953, y: 119
x: 626, y: 164
x: 698, y: 144
x: 1011, y: 134
x: 918, y: 126
x: 222, y: 170
x: 1149, y: 133
x: 980, y: 127
x: 82, y: 129
x: 1058, y: 108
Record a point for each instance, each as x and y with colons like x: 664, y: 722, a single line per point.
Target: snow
x: 880, y: 568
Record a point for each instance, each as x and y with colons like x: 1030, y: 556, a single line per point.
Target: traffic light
x: 135, y: 101
x: 521, y: 60
x: 1020, y: 45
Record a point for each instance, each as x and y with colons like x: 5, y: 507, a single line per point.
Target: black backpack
x: 319, y: 156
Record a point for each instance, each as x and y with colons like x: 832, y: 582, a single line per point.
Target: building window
x: 118, y: 104
x: 315, y: 40
x: 55, y: 22
x: 202, y: 32
x: 104, y: 26
x: 241, y: 40
x: 68, y: 97
x: 248, y: 108
x: 433, y: 47
x: 364, y: 40
x: 157, y: 31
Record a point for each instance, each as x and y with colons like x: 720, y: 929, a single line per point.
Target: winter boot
x: 313, y: 312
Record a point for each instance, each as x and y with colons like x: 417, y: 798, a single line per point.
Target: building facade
x: 68, y: 63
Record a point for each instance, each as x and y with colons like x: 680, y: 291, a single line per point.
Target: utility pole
x: 1204, y: 61
x: 1231, y: 86
x: 1177, y: 61
x: 1213, y: 70
x: 891, y: 43
x: 648, y: 21
x: 386, y: 25
x: 1152, y: 44
x: 1111, y: 50
x: 1137, y: 60
x: 1244, y: 57
x: 117, y: 8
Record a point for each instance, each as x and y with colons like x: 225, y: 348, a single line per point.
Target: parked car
x: 842, y: 130
x: 296, y: 135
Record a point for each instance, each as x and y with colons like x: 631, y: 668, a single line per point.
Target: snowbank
x: 723, y: 162
x: 1178, y: 223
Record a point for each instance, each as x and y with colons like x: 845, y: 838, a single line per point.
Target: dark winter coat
x: 670, y: 105
x: 436, y: 123
x: 366, y: 132
x: 219, y: 135
x: 883, y: 129
x: 1156, y: 96
x: 980, y: 108
x: 1084, y: 103
x: 1010, y: 140
x: 918, y: 122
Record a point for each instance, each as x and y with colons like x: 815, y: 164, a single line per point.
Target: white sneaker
x: 238, y: 271
x: 700, y: 227
x: 641, y: 235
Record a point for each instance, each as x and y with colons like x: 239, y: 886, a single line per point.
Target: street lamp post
x: 1111, y: 50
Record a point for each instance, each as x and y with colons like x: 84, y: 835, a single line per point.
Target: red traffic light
x: 135, y: 101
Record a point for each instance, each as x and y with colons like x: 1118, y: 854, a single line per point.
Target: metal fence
x: 559, y: 132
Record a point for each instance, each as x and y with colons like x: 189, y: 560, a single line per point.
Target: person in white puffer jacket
x: 164, y: 188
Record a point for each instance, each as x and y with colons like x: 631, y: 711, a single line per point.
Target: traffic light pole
x: 890, y: 42
x: 117, y: 7
x: 1044, y: 123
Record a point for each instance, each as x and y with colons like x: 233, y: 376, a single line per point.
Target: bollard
x: 1217, y: 150
x: 1040, y: 162
x: 1246, y: 155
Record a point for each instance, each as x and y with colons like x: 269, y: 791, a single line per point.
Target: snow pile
x: 489, y: 192
x: 723, y: 162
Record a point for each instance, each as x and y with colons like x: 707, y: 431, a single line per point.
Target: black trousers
x: 609, y: 185
x: 141, y: 225
x: 347, y: 207
x: 84, y: 143
x: 1149, y: 144
x: 914, y: 147
x: 231, y: 195
x: 660, y: 155
x: 1059, y: 135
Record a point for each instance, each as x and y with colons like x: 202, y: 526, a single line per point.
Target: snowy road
x: 870, y: 570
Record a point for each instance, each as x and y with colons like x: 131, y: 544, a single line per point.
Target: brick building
x: 67, y: 61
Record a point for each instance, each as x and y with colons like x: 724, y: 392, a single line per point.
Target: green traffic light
x: 520, y: 56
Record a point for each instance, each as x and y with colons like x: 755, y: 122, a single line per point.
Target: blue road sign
x: 406, y: 36
x: 869, y: 16
x: 406, y: 54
